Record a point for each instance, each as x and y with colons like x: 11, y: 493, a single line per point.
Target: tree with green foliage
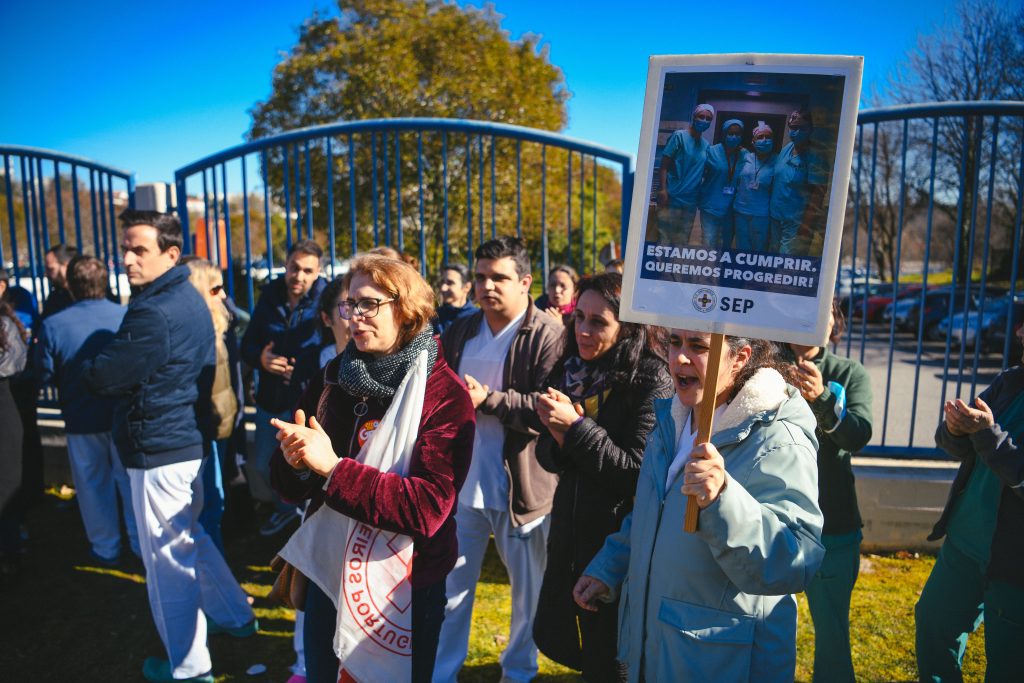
x: 430, y: 58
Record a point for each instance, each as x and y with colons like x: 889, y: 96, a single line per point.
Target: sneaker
x: 111, y: 562
x: 278, y: 521
x: 243, y: 631
x: 158, y: 670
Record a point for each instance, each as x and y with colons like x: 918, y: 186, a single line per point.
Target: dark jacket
x: 58, y: 300
x: 534, y: 352
x: 839, y: 438
x: 1004, y: 456
x: 159, y: 366
x: 447, y: 314
x: 295, y: 333
x: 68, y: 339
x: 421, y: 504
x: 598, y: 463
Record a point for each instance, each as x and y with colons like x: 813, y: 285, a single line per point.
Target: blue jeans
x: 321, y: 621
x: 675, y: 223
x: 213, y: 492
x: 258, y: 465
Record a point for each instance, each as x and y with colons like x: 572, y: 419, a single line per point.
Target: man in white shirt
x: 505, y: 354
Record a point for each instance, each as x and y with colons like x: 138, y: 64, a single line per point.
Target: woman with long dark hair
x: 597, y: 421
x: 717, y: 604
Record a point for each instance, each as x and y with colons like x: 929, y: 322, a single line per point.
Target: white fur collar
x: 766, y: 390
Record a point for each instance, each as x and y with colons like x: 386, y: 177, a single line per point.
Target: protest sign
x: 740, y: 193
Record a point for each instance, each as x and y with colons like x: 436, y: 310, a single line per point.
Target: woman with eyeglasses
x: 389, y: 307
x: 226, y: 400
x: 798, y: 194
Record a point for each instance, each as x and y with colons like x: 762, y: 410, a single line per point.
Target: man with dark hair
x: 505, y: 353
x: 284, y: 328
x: 153, y: 367
x: 66, y: 340
x: 56, y: 261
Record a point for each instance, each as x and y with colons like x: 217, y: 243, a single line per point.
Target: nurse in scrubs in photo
x: 754, y: 190
x: 798, y: 195
x: 679, y: 177
x: 719, y: 187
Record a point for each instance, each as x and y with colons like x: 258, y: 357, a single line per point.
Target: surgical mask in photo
x: 701, y: 125
x: 764, y: 145
x: 732, y: 141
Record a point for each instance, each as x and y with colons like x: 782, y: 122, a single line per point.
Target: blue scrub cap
x: 732, y: 122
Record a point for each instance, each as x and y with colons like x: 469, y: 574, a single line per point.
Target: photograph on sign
x: 740, y: 193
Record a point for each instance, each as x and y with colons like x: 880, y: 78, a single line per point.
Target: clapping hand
x: 557, y: 412
x: 306, y: 447
x: 961, y: 419
x: 477, y: 392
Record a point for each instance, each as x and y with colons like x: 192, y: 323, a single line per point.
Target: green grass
x: 67, y: 619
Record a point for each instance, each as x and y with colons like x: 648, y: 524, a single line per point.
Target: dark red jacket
x: 421, y: 504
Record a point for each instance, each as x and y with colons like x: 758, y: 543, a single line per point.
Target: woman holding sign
x: 754, y: 191
x: 597, y: 421
x: 716, y: 604
x: 389, y: 307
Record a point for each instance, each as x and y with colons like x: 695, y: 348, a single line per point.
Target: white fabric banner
x: 365, y: 570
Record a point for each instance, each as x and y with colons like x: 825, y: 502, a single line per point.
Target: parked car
x: 982, y: 322
x: 878, y: 298
x: 937, y: 306
x: 850, y: 287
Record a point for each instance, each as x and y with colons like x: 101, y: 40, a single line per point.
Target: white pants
x: 99, y: 477
x: 523, y: 550
x: 185, y: 573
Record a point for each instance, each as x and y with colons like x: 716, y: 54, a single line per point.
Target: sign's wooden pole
x: 705, y: 418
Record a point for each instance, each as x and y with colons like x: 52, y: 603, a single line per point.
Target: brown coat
x: 534, y: 352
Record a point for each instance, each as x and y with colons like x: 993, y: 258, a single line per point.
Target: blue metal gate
x: 431, y: 187
x: 51, y: 198
x: 934, y: 225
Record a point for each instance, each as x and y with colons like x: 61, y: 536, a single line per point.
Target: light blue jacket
x: 718, y: 604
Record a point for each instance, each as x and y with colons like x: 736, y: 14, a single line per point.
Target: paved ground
x: 893, y: 423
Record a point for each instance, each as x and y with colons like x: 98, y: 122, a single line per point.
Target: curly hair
x: 763, y: 354
x: 7, y: 312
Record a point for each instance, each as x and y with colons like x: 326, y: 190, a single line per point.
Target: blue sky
x: 152, y: 86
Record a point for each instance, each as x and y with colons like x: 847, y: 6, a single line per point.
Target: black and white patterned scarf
x: 362, y: 374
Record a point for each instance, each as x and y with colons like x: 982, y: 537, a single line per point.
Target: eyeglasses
x: 216, y: 289
x: 366, y: 308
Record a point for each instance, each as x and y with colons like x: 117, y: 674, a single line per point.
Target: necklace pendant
x: 360, y: 408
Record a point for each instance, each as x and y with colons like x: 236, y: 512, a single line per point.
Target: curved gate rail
x: 432, y: 187
x: 935, y: 213
x: 49, y: 198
